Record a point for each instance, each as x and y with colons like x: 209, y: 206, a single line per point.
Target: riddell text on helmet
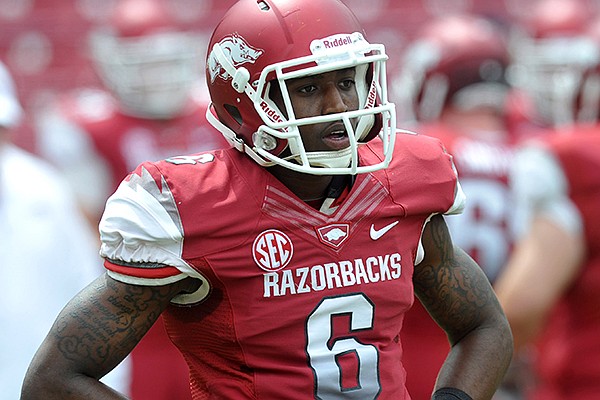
x: 271, y: 113
x: 337, y: 42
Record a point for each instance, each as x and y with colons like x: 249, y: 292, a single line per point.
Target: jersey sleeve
x: 460, y: 199
x: 142, y: 234
x: 540, y: 187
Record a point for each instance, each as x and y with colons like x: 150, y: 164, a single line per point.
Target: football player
x: 556, y: 320
x: 150, y: 108
x: 151, y: 105
x: 283, y: 266
x: 452, y: 85
x: 552, y: 54
x: 557, y: 189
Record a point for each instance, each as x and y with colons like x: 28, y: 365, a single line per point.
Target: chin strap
x: 328, y: 159
x: 225, y: 131
x: 232, y: 138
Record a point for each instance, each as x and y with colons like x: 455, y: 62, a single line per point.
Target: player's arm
x: 551, y: 257
x: 93, y: 334
x: 551, y: 249
x: 459, y: 297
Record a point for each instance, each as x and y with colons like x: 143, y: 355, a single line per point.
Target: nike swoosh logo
x: 378, y: 233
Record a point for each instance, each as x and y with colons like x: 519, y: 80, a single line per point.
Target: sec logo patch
x: 272, y: 250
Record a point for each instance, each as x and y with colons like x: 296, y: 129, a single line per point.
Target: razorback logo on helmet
x: 333, y: 235
x: 237, y: 50
x: 272, y: 250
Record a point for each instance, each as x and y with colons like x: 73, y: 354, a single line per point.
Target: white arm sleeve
x: 141, y: 225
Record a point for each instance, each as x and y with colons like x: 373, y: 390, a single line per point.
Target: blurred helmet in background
x: 553, y: 62
x: 457, y: 60
x: 146, y: 59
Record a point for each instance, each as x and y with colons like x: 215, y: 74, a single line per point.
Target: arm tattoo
x: 100, y: 326
x: 451, y: 285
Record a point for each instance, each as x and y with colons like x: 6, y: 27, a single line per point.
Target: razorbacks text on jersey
x: 294, y: 303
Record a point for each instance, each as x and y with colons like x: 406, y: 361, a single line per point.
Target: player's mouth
x: 335, y: 137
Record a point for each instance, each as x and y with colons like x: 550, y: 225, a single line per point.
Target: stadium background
x: 44, y: 42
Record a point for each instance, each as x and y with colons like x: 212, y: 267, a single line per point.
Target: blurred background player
x: 550, y: 287
x: 47, y: 251
x: 152, y: 108
x: 452, y: 86
x: 551, y: 57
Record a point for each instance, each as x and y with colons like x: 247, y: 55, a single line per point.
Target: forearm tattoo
x: 453, y: 289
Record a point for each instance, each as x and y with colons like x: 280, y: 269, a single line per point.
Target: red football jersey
x: 567, y: 363
x: 294, y: 303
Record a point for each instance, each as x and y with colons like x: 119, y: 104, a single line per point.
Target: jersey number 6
x: 324, y: 353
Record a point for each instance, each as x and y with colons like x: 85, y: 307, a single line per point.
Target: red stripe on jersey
x: 151, y: 273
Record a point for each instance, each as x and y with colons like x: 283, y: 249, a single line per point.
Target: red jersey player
x: 152, y: 106
x: 556, y: 183
x: 552, y: 52
x: 549, y: 286
x: 452, y: 86
x: 283, y: 265
x: 150, y: 111
x: 557, y: 188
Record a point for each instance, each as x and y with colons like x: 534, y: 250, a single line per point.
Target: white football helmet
x: 553, y: 60
x: 146, y: 60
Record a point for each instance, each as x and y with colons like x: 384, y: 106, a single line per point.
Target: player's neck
x: 307, y: 187
x: 314, y: 189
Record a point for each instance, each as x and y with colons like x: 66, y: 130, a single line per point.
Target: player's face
x: 323, y: 94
